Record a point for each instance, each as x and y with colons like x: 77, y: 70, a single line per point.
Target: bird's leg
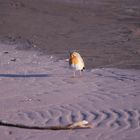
x: 80, y: 73
x: 74, y: 73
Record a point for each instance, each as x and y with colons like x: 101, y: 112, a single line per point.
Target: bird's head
x: 74, y: 54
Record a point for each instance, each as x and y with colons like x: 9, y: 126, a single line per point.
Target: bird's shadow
x: 24, y: 75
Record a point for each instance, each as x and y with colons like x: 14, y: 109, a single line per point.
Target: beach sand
x: 39, y: 90
x: 105, y: 32
x: 36, y: 83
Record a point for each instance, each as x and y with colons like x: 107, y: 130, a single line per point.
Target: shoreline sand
x: 36, y: 84
x: 106, y: 33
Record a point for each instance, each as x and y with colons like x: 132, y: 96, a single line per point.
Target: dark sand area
x: 105, y: 32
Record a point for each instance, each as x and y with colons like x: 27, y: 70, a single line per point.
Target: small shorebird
x: 76, y: 62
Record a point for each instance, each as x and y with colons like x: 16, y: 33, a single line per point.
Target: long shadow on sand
x: 24, y: 75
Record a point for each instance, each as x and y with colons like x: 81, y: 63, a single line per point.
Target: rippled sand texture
x: 36, y: 89
x: 106, y: 32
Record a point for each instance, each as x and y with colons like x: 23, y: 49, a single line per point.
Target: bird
x: 76, y: 62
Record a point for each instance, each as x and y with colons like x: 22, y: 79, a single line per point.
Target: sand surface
x: 39, y: 90
x: 36, y: 84
x: 105, y: 32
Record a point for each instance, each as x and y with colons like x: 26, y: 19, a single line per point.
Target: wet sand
x: 106, y: 33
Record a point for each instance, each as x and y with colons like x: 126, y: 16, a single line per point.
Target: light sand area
x: 37, y: 89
